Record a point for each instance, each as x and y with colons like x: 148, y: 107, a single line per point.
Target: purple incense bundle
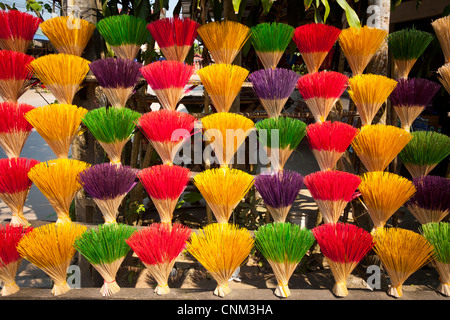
x: 117, y: 77
x: 410, y: 97
x: 279, y: 191
x: 431, y: 202
x: 273, y: 87
x: 108, y: 184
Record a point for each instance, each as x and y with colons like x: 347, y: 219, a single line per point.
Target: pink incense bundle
x: 321, y: 90
x: 18, y: 29
x: 328, y: 141
x: 15, y: 74
x: 332, y: 191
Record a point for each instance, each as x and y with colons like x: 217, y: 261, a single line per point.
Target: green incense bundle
x: 105, y: 248
x: 283, y: 245
x: 113, y: 128
x: 424, y: 152
x: 270, y: 41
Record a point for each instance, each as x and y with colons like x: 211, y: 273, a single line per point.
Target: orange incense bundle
x: 18, y: 29
x: 15, y: 74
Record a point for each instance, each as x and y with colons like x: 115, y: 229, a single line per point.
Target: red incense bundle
x: 14, y: 74
x: 18, y: 29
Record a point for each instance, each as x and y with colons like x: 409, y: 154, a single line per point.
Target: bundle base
x: 444, y: 277
x: 12, y: 89
x: 313, y: 60
x: 273, y: 107
x: 7, y: 276
x: 269, y: 59
x: 126, y: 51
x: 404, y: 67
x: 109, y: 288
x: 222, y: 290
x: 407, y: 115
x: 425, y: 216
x: 12, y: 143
x: 326, y: 159
x: 417, y: 170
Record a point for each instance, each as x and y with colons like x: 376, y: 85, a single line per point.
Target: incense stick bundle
x: 108, y: 184
x: 15, y: 186
x: 222, y: 83
x: 441, y: 27
x: 273, y: 88
x: 402, y: 252
x: 117, y: 77
x: 280, y: 137
x: 68, y: 34
x: 168, y: 80
x: 407, y: 45
x: 167, y: 130
x: 50, y: 248
x: 10, y: 259
x: 279, y: 190
x: 223, y: 189
x: 359, y: 45
x: 332, y: 191
x: 61, y: 73
x: 424, y: 152
x: 164, y: 184
x: 18, y: 30
x: 58, y: 125
x: 14, y: 128
x: 283, y: 245
x: 431, y: 202
x: 15, y: 74
x: 314, y: 41
x: 443, y: 75
x: 224, y: 39
x: 376, y: 145
x: 58, y: 182
x: 383, y: 193
x: 270, y: 40
x: 158, y: 247
x: 369, y: 92
x: 226, y: 132
x: 410, y: 97
x: 321, y: 90
x: 105, y: 248
x: 174, y: 36
x: 112, y: 128
x: 125, y: 34
x: 221, y: 249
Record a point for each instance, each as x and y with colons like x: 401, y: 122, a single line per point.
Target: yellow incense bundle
x: 441, y: 27
x: 444, y: 76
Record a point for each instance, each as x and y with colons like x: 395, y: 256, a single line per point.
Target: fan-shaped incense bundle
x: 410, y: 97
x: 58, y: 125
x: 174, y: 36
x: 164, y: 184
x: 273, y: 88
x: 332, y: 191
x: 443, y: 75
x: 158, y: 247
x: 168, y: 79
x: 321, y: 90
x: 328, y: 141
x: 15, y: 186
x: 383, y: 193
x: 283, y: 245
x: 402, y: 252
x: 18, y: 29
x: 270, y: 40
x: 167, y: 130
x: 441, y: 27
x: 359, y: 45
x: 344, y: 246
x: 117, y: 77
x: 50, y: 248
x: 223, y: 189
x: 431, y: 202
x: 222, y: 82
x: 369, y: 92
x: 15, y: 74
x: 105, y: 248
x: 58, y: 182
x: 10, y: 259
x: 279, y: 190
x: 125, y: 34
x: 224, y: 39
x: 108, y: 184
x: 68, y: 34
x: 407, y: 45
x: 438, y: 234
x: 377, y: 145
x: 221, y: 249
x: 14, y: 128
x: 279, y: 138
x: 112, y: 128
x: 61, y: 73
x: 314, y: 41
x: 424, y: 152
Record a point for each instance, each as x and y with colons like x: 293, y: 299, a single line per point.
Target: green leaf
x: 307, y: 4
x: 236, y: 5
x: 2, y: 6
x: 352, y: 17
x: 192, y: 197
x: 327, y: 10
